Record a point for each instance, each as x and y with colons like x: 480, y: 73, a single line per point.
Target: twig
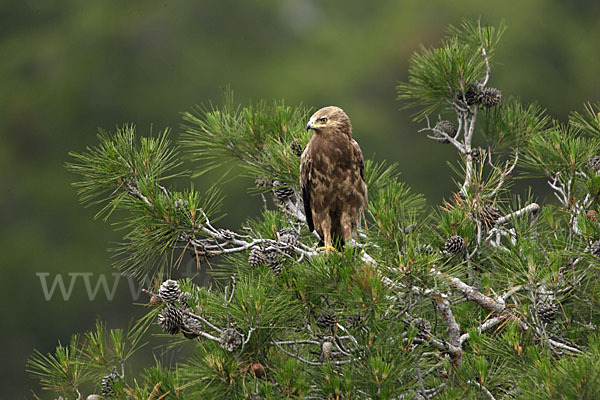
x: 509, y: 292
x: 563, y: 346
x: 477, y: 242
x: 503, y: 175
x: 441, y: 345
x: 487, y: 66
x: 433, y: 368
x: 559, y: 190
x: 208, y: 335
x: 201, y: 319
x: 338, y: 342
x: 295, y: 342
x: 531, y: 208
x: 233, y: 284
x: 122, y: 369
x: 164, y: 190
x: 292, y: 208
x: 134, y: 191
x: 252, y: 329
x: 264, y: 200
x: 420, y: 379
x: 490, y: 323
x: 482, y: 388
x: 467, y: 145
x: 310, y: 362
x: 352, y: 338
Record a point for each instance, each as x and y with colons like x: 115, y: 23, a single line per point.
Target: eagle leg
x: 326, y: 227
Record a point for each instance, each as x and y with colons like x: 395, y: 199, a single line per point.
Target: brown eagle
x: 332, y: 178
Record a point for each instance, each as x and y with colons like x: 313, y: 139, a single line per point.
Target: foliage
x: 455, y: 302
x: 570, y: 377
x: 86, y: 360
x: 259, y: 135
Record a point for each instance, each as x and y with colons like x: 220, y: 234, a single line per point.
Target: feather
x: 305, y: 186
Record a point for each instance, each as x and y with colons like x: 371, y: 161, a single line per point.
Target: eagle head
x: 330, y: 119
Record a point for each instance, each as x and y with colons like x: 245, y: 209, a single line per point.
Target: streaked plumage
x: 332, y: 177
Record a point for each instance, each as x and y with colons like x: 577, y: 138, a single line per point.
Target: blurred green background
x: 72, y: 66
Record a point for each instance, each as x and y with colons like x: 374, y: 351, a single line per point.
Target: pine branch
x: 258, y: 136
x: 453, y: 330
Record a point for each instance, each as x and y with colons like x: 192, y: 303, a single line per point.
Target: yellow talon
x: 327, y: 248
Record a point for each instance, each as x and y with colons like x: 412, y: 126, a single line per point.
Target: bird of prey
x: 332, y: 178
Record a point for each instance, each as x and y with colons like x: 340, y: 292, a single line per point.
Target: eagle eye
x: 323, y: 120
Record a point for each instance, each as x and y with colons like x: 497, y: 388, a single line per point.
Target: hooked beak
x: 309, y: 125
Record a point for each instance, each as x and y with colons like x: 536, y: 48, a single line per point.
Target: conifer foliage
x: 488, y: 295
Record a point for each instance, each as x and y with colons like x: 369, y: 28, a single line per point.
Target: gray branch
x: 482, y: 388
x: 452, y: 328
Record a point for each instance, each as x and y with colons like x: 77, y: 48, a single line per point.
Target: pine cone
x: 230, y: 339
x: 276, y: 268
x: 185, y: 299
x: 427, y: 249
x: 474, y: 94
x: 273, y: 260
x: 263, y: 183
x: 455, y: 245
x: 191, y: 327
x: 595, y: 249
x: 296, y: 148
x: 107, y: 384
x: 353, y: 321
x: 169, y: 291
x: 593, y: 164
x: 256, y: 257
x: 423, y: 325
x: 547, y: 312
x: 281, y: 192
x: 446, y: 127
x: 289, y: 232
x: 327, y: 319
x: 288, y: 237
x: 592, y: 214
x: 170, y: 320
x: 490, y: 97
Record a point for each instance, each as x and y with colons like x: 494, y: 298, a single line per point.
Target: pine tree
x: 489, y: 295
